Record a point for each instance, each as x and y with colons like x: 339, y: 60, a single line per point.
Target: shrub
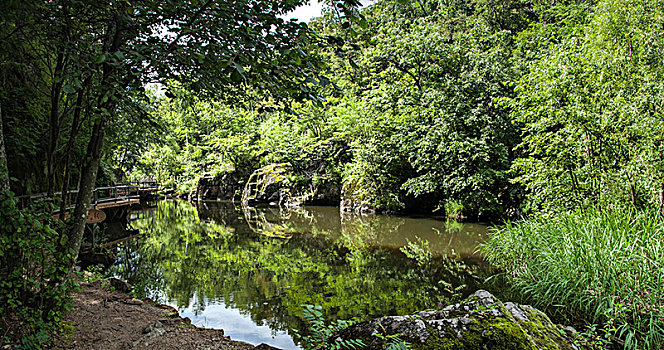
x: 33, y: 292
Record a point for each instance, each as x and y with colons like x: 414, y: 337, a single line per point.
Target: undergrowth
x: 319, y: 331
x: 32, y: 301
x: 607, y: 265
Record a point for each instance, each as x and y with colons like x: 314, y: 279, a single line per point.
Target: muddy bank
x: 104, y: 318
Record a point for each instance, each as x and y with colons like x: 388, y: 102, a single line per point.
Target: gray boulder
x: 480, y: 322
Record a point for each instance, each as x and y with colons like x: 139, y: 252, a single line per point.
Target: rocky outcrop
x: 354, y: 200
x: 276, y: 184
x: 268, y: 184
x: 480, y: 322
x: 227, y: 186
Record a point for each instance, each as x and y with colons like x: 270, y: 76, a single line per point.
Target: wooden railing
x: 118, y: 193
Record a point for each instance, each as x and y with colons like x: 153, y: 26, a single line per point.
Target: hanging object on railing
x: 95, y: 216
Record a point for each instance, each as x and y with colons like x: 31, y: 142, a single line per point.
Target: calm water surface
x: 249, y: 271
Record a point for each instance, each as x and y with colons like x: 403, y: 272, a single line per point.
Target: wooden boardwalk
x: 117, y: 195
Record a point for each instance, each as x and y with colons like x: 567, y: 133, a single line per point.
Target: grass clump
x: 606, y: 264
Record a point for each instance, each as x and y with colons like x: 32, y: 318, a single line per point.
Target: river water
x: 249, y: 271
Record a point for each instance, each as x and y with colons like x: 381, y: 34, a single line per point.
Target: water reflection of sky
x: 235, y: 324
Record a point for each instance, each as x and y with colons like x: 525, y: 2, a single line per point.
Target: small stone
x: 517, y: 312
x: 153, y: 327
x: 120, y: 285
x: 133, y: 302
x: 151, y: 331
x: 570, y: 330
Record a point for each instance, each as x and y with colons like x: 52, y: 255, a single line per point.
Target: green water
x: 249, y: 271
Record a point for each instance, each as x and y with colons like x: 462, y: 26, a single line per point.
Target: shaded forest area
x: 549, y: 114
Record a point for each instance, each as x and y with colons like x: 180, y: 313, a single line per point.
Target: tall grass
x: 607, y: 264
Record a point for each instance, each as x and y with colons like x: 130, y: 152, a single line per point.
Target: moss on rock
x: 480, y: 322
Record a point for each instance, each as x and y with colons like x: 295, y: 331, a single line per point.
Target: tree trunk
x: 70, y: 145
x: 54, y: 123
x: 85, y: 190
x: 4, y: 170
x: 93, y: 154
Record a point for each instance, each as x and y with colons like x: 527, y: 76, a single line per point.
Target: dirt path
x: 110, y: 320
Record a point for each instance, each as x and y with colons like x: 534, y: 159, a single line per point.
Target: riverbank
x: 106, y: 318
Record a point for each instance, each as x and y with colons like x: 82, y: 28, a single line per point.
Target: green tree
x: 591, y: 107
x: 419, y: 107
x: 97, y: 63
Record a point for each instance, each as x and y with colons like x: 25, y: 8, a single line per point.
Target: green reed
x: 603, y: 266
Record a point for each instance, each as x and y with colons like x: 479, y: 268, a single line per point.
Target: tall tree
x: 100, y: 59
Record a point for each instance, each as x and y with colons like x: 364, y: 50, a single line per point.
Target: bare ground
x: 113, y: 320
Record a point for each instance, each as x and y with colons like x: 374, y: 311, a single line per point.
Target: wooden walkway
x: 118, y: 195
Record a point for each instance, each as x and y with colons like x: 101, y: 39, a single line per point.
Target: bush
x: 33, y: 296
x: 607, y: 264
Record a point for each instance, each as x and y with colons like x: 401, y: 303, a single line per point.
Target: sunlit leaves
x: 592, y: 111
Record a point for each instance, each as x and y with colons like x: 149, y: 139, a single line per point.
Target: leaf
x: 101, y: 59
x: 363, y: 23
x: 236, y: 76
x: 239, y: 68
x: 68, y: 89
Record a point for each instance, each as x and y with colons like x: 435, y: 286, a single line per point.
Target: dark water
x: 250, y: 271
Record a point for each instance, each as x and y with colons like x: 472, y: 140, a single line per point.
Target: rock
x: 151, y: 331
x: 156, y: 327
x: 480, y: 322
x: 120, y: 285
x: 265, y: 184
x: 273, y: 184
x: 227, y: 186
x: 352, y: 200
x: 133, y: 301
x: 264, y: 346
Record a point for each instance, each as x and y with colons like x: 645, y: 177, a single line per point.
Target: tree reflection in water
x: 268, y: 262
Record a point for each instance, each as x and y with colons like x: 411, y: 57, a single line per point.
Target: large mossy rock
x: 480, y: 322
x: 277, y: 184
x: 268, y: 184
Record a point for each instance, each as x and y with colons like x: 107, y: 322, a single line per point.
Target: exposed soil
x: 109, y: 320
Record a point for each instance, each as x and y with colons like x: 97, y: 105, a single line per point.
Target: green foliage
x: 415, y: 126
x: 453, y: 209
x: 319, y: 333
x: 603, y: 265
x: 392, y: 341
x: 419, y: 251
x: 591, y: 106
x: 419, y: 114
x: 70, y: 80
x: 33, y: 298
x: 201, y: 138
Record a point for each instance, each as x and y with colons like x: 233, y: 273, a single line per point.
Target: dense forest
x: 544, y: 118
